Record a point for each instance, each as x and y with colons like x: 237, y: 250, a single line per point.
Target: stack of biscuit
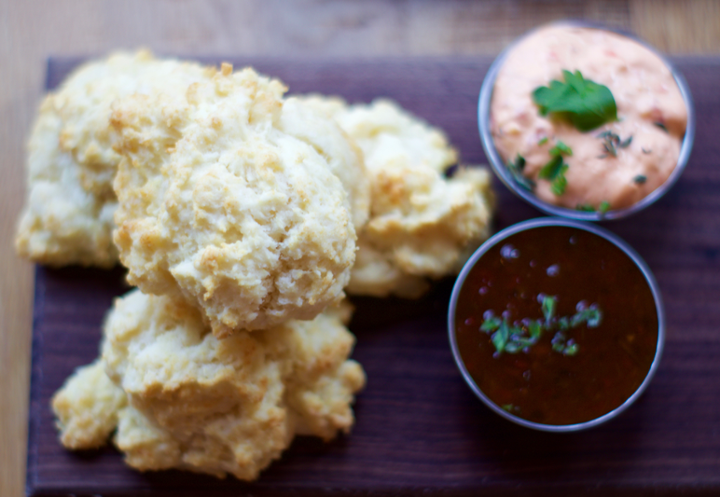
x: 243, y: 216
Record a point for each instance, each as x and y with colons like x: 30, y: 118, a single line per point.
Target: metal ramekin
x: 504, y: 174
x: 538, y: 223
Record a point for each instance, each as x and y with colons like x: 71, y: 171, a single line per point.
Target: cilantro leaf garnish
x: 604, y: 207
x: 491, y: 324
x: 571, y: 349
x: 564, y: 323
x: 551, y: 169
x: 558, y: 341
x: 640, y: 179
x: 548, y: 307
x: 500, y: 337
x: 585, y: 208
x: 512, y: 347
x: 590, y: 316
x: 593, y: 320
x: 535, y: 329
x: 516, y: 168
x: 560, y: 149
x: 555, y: 169
x: 586, y: 104
x: 520, y: 336
x: 560, y: 182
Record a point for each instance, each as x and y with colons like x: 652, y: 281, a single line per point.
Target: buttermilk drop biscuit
x: 344, y: 158
x: 87, y: 407
x: 226, y: 200
x: 386, y: 133
x: 207, y: 405
x: 68, y: 215
x: 422, y: 224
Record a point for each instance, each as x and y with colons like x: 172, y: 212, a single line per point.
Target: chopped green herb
x: 646, y: 151
x: 560, y: 149
x: 548, y: 307
x: 555, y: 169
x: 516, y: 168
x: 512, y: 347
x: 586, y: 104
x: 552, y: 168
x: 604, y: 207
x: 509, y: 407
x: 500, y: 337
x: 513, y: 339
x: 571, y: 349
x: 491, y: 324
x: 535, y: 329
x: 640, y: 179
x: 610, y: 149
x: 578, y: 318
x: 515, y: 331
x: 555, y: 172
x: 543, y: 141
x: 560, y: 182
x: 524, y: 342
x: 585, y: 208
x: 611, y: 142
x: 661, y: 126
x: 591, y: 317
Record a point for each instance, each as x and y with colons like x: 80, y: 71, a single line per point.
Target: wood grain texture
x: 419, y: 428
x: 31, y: 30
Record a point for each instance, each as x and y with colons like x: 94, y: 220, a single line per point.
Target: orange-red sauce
x: 645, y: 93
x: 538, y: 383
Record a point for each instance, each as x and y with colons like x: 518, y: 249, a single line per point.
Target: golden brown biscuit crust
x: 68, y: 214
x: 87, y: 407
x: 184, y: 399
x: 221, y: 205
x: 422, y: 224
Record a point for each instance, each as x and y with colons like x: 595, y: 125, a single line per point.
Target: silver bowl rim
x: 503, y: 173
x: 540, y: 223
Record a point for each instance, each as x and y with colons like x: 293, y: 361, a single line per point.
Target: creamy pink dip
x: 645, y: 93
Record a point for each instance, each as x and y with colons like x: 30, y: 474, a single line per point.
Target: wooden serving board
x: 419, y: 428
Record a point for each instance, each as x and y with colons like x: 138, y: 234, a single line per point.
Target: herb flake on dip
x: 603, y: 164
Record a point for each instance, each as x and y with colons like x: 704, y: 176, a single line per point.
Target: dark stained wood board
x: 419, y: 428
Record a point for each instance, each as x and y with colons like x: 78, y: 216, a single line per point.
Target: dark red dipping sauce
x: 589, y: 369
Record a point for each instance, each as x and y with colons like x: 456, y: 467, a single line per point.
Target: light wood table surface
x: 30, y: 31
